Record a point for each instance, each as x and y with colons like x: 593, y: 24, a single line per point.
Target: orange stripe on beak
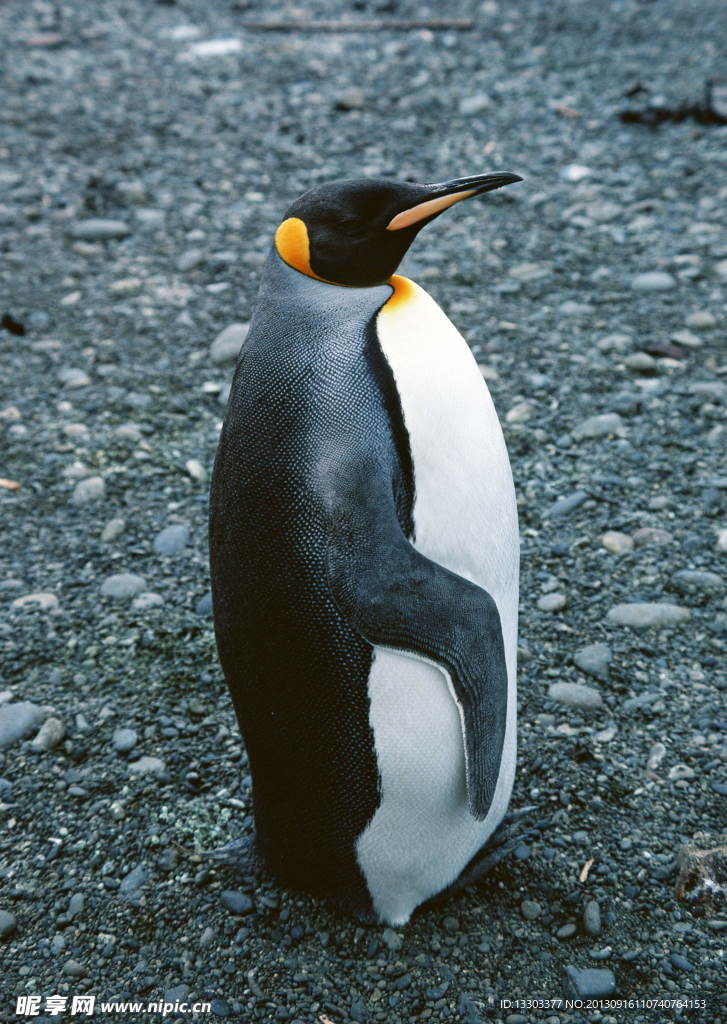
x: 426, y: 209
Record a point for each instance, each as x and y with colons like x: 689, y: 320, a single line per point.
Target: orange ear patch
x: 426, y: 209
x: 293, y: 246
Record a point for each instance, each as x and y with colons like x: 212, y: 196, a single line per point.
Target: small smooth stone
x: 146, y: 600
x: 552, y: 602
x: 594, y: 660
x: 72, y: 377
x: 696, y: 579
x: 645, y: 614
x: 122, y: 585
x: 8, y: 924
x: 576, y: 695
x: 476, y: 104
x: 190, y: 259
x: 599, y: 426
x: 680, y: 771
x: 571, y: 308
x: 76, y: 904
x: 575, y: 172
x: 617, y: 543
x: 93, y: 488
x: 530, y: 909
x: 650, y: 535
x: 49, y: 735
x: 653, y: 281
x: 641, y: 362
x: 701, y: 318
x: 124, y: 740
x: 204, y: 605
x: 236, y: 902
x: 74, y: 969
x: 566, y: 931
x: 592, y: 918
x: 96, y: 229
x: 226, y: 346
x: 196, y: 470
x: 172, y: 539
x: 722, y: 540
x: 681, y: 962
x: 113, y: 529
x: 519, y: 413
x: 687, y: 339
x: 18, y: 720
x: 47, y: 602
x: 615, y: 343
x: 137, y: 877
x: 177, y: 994
x: 563, y: 506
x: 147, y: 766
x: 589, y: 982
x: 656, y: 756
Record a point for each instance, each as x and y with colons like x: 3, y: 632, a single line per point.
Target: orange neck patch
x: 404, y: 290
x: 293, y: 245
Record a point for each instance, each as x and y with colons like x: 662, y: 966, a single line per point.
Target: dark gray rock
x: 236, y: 902
x: 594, y: 660
x: 563, y: 506
x: 592, y: 918
x: 8, y: 924
x: 124, y: 740
x: 18, y: 720
x: 589, y: 982
x: 172, y: 539
x: 123, y: 585
x: 576, y: 695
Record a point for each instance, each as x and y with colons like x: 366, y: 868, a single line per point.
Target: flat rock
x: 146, y: 600
x: 592, y: 918
x: 599, y: 426
x: 552, y: 602
x: 48, y: 602
x: 226, y: 346
x: 576, y: 695
x: 113, y: 529
x: 589, y: 982
x: 644, y: 614
x: 124, y: 740
x: 49, y: 735
x: 135, y: 879
x: 475, y: 104
x: 147, y: 766
x: 594, y: 660
x: 653, y: 281
x: 687, y: 580
x: 8, y: 924
x: 650, y: 535
x: 641, y: 362
x: 701, y: 319
x: 236, y: 902
x: 617, y: 543
x: 97, y: 230
x: 92, y: 488
x: 172, y: 539
x: 123, y: 585
x: 18, y: 720
x: 563, y: 506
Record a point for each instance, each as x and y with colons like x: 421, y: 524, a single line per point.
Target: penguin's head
x: 356, y: 232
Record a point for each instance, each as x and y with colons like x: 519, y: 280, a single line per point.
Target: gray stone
x: 644, y: 614
x: 190, y: 259
x: 475, y: 104
x: 137, y: 877
x: 650, y: 535
x: 93, y: 488
x: 530, y: 909
x: 147, y: 766
x: 72, y: 377
x: 592, y: 918
x: 113, y: 529
x: 566, y: 931
x: 97, y: 230
x: 226, y: 346
x: 701, y: 318
x: 74, y: 969
x: 552, y: 602
x: 594, y: 660
x: 46, y: 602
x: 172, y: 539
x: 641, y: 362
x: 599, y: 426
x: 576, y: 695
x: 571, y: 308
x: 50, y: 734
x: 563, y: 506
x: 236, y: 902
x: 204, y: 605
x: 687, y: 580
x: 18, y: 720
x: 124, y: 740
x: 617, y: 543
x: 641, y: 700
x: 76, y: 904
x: 8, y: 924
x: 146, y: 600
x: 653, y: 281
x: 123, y: 585
x: 589, y: 982
x: 178, y: 994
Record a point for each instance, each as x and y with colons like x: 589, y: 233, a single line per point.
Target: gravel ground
x: 594, y: 296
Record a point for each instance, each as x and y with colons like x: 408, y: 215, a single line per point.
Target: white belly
x: 465, y: 518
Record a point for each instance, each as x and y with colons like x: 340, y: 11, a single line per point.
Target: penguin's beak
x: 447, y: 193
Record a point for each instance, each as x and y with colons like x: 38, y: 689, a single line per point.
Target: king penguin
x: 364, y: 561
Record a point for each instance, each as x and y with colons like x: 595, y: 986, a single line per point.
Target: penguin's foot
x: 240, y: 856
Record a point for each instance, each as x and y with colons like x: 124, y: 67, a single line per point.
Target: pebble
x: 190, y: 259
x: 681, y: 962
x: 74, y: 969
x: 123, y: 585
x: 147, y: 766
x: 687, y: 580
x: 552, y: 602
x: 530, y: 909
x: 135, y: 879
x: 572, y: 308
x: 599, y: 426
x: 98, y: 230
x: 520, y: 412
x: 701, y: 318
x: 226, y: 346
x: 645, y: 614
x: 46, y: 601
x: 76, y: 904
x: 124, y: 740
x: 589, y: 982
x: 617, y: 543
x: 72, y: 377
x: 575, y: 172
x: 146, y: 600
x: 18, y: 720
x: 204, y: 605
x: 113, y: 529
x: 172, y: 539
x: 656, y: 756
x: 178, y: 994
x: 722, y: 540
x: 563, y: 506
x: 49, y: 735
x: 653, y: 281
x: 474, y: 104
x: 566, y: 930
x: 576, y: 695
x: 592, y: 918
x: 8, y: 924
x: 236, y: 902
x: 650, y: 535
x: 93, y: 488
x: 641, y: 362
x: 680, y: 771
x: 196, y: 470
x: 594, y: 660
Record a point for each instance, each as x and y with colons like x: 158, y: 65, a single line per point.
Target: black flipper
x: 395, y: 597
